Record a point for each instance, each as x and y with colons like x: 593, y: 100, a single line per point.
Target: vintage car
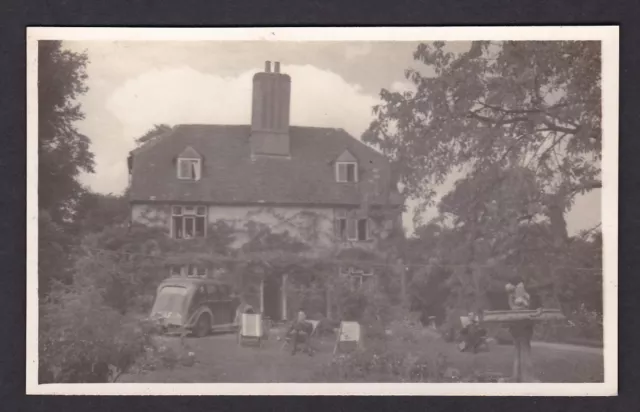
x: 194, y: 304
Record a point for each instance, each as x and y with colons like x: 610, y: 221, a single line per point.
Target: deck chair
x: 314, y: 324
x: 251, y: 329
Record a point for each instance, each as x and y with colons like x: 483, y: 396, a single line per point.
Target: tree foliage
x: 96, y: 211
x: 521, y: 123
x: 156, y: 131
x: 63, y: 151
x: 532, y: 105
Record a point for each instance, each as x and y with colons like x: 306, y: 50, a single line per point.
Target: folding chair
x: 251, y: 328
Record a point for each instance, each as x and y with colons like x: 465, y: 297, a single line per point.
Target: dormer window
x: 346, y: 168
x: 189, y: 165
x: 189, y: 169
x: 347, y: 172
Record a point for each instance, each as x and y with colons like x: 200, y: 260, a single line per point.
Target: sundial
x: 520, y: 320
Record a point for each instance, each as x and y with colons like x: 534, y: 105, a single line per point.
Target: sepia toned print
x: 354, y: 211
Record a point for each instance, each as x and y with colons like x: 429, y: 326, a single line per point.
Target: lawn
x: 220, y: 359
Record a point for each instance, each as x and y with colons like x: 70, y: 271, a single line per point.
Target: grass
x: 220, y: 359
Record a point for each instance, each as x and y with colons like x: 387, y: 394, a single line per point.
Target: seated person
x: 299, y: 333
x: 474, y: 335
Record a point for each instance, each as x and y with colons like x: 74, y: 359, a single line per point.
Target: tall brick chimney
x: 270, y: 112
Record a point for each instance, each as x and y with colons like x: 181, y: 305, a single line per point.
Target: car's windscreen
x: 170, y: 299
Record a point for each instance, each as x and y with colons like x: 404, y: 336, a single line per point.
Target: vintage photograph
x: 347, y: 209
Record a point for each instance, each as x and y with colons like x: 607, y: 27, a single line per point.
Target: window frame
x: 347, y: 227
x: 197, y: 170
x: 196, y: 212
x: 366, y: 229
x: 357, y: 277
x: 346, y: 172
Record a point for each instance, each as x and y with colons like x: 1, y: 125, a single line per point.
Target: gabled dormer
x: 189, y: 164
x: 346, y: 168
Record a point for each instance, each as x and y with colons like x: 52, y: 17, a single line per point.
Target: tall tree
x: 506, y: 105
x: 63, y: 151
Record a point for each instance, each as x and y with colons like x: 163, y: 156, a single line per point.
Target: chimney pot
x: 276, y: 67
x: 267, y: 66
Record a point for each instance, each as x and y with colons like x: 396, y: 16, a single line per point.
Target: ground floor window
x: 191, y: 270
x: 357, y: 277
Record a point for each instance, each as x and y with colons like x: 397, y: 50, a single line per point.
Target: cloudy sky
x: 133, y: 85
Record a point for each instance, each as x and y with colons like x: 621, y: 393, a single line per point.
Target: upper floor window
x: 188, y: 222
x: 189, y: 165
x: 189, y: 169
x: 351, y: 228
x: 346, y: 168
x: 347, y: 172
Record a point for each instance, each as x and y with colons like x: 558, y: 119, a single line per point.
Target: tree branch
x: 496, y: 122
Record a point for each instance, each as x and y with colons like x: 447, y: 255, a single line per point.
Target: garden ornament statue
x: 521, y: 320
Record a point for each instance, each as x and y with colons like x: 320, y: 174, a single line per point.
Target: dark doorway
x: 273, y: 298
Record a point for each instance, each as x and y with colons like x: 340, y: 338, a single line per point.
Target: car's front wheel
x: 203, y: 326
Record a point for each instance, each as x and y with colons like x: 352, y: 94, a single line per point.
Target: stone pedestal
x: 520, y: 324
x: 522, y: 331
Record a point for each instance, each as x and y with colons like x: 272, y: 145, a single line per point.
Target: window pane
x: 189, y: 227
x: 200, y: 226
x: 342, y: 172
x: 185, y: 169
x: 362, y: 229
x: 177, y: 227
x: 351, y: 173
x: 343, y: 228
x: 201, y: 211
x: 351, y: 229
x: 177, y: 210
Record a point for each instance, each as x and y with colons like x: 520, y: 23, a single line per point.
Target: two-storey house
x: 268, y: 172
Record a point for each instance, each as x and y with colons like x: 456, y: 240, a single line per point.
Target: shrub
x: 581, y: 326
x: 82, y: 340
x: 380, y: 362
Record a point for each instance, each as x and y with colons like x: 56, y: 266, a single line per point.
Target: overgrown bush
x: 82, y: 340
x: 582, y: 326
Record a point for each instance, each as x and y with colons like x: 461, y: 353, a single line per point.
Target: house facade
x: 319, y: 185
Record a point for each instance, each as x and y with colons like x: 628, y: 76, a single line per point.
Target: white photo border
x: 609, y: 37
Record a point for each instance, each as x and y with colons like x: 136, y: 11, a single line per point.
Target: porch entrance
x: 272, y: 297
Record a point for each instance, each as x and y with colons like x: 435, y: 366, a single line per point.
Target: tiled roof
x: 230, y: 175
